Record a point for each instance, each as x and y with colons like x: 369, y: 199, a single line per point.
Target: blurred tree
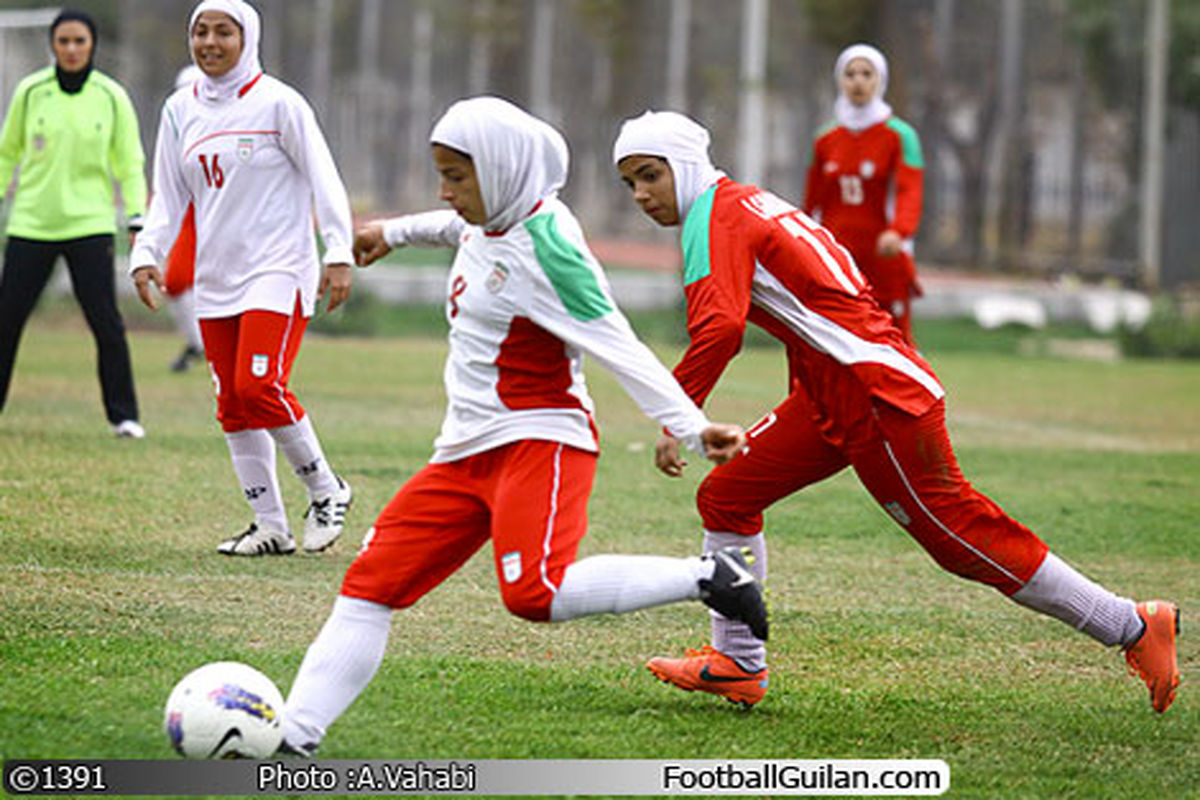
x: 1112, y: 32
x: 1184, y: 86
x: 1109, y: 33
x: 843, y: 23
x: 1111, y: 36
x: 962, y: 64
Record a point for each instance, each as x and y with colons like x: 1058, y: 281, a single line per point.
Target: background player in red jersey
x: 861, y: 396
x: 180, y: 268
x: 178, y: 278
x: 865, y: 181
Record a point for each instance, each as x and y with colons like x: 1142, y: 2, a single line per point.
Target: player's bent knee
x: 531, y: 605
x: 263, y: 407
x: 723, y: 514
x: 256, y: 397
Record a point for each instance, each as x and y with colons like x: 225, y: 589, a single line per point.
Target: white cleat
x: 129, y: 429
x: 325, y: 518
x: 258, y: 541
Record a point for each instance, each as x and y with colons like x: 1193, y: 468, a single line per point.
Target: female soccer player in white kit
x: 514, y: 463
x: 246, y: 151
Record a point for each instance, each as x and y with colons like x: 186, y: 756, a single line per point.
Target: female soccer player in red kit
x: 861, y: 396
x: 246, y: 152
x: 865, y: 182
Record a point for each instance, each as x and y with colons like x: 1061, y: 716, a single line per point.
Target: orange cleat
x: 1152, y: 657
x: 707, y: 670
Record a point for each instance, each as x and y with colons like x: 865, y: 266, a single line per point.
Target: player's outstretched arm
x: 143, y: 277
x: 722, y: 441
x: 370, y: 244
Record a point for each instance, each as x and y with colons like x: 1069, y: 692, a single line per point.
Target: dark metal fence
x: 1032, y: 151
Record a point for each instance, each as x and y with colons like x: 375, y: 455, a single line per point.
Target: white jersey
x: 257, y: 168
x: 524, y: 307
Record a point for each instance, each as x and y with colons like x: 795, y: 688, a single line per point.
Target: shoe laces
x: 253, y: 529
x: 321, y: 510
x: 706, y: 650
x: 327, y: 510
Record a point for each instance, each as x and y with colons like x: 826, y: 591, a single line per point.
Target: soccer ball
x: 224, y: 710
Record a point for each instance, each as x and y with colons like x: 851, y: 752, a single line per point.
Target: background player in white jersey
x: 246, y: 151
x: 861, y: 396
x: 517, y: 452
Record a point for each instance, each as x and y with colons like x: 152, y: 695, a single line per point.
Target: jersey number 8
x: 852, y: 189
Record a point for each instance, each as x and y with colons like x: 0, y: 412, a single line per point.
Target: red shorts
x: 250, y: 357
x: 785, y: 452
x: 528, y: 497
x: 181, y: 261
x: 905, y: 462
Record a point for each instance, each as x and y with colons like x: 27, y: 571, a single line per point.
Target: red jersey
x: 750, y: 256
x: 860, y: 183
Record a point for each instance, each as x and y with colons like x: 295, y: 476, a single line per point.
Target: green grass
x: 110, y: 588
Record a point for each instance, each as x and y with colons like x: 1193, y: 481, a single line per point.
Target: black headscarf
x: 72, y: 82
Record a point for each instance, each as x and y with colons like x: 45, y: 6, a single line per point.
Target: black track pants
x: 27, y: 268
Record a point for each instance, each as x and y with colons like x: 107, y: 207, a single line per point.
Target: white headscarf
x: 248, y: 66
x: 875, y: 110
x: 188, y: 76
x: 519, y: 159
x: 682, y: 141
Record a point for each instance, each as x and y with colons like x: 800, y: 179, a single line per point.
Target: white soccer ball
x: 224, y: 710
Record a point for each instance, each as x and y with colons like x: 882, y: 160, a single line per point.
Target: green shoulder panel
x: 567, y: 269
x: 695, y: 238
x: 830, y: 124
x: 910, y: 143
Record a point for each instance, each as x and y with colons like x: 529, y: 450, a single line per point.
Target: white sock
x: 253, y: 456
x: 729, y: 636
x: 302, y: 449
x: 616, y: 584
x: 339, y: 664
x: 1057, y: 590
x: 183, y: 307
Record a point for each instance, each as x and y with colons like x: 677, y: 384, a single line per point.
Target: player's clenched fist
x: 722, y: 442
x: 369, y: 244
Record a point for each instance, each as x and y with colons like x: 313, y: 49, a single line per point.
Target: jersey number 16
x: 214, y: 176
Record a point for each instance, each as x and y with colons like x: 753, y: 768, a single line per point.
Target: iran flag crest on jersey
x: 259, y: 364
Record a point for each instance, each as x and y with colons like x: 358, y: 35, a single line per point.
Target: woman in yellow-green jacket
x: 71, y: 133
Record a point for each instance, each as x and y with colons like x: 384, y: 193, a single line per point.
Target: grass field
x: 110, y: 588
